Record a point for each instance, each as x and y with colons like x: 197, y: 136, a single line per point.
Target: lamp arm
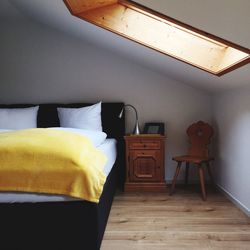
x: 136, y: 129
x: 129, y: 105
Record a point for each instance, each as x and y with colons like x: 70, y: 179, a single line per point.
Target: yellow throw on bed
x: 51, y: 161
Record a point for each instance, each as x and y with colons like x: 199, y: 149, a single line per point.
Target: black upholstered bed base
x: 56, y: 225
x: 64, y: 225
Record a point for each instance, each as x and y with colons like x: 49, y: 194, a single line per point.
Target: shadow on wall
x: 232, y: 146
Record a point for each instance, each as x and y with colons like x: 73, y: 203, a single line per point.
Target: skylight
x: 162, y: 33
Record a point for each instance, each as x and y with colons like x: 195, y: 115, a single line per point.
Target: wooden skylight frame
x: 162, y: 33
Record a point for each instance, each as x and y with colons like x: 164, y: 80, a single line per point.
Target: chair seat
x: 192, y: 159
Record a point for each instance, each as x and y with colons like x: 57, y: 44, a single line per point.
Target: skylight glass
x: 162, y: 33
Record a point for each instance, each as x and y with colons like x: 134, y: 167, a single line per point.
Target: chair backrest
x: 199, y: 135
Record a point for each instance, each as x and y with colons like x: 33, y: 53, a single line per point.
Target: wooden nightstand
x: 145, y: 168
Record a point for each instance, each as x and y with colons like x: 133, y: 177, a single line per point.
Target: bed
x: 63, y: 224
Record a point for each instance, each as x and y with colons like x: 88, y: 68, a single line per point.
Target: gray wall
x: 232, y: 120
x: 40, y: 65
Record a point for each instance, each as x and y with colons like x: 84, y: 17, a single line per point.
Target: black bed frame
x: 64, y: 225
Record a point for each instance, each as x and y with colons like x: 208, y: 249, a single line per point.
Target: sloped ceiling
x: 228, y: 19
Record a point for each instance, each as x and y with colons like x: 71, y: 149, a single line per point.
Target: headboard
x: 47, y: 116
x: 112, y: 124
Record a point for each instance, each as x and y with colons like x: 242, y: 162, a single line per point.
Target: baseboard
x: 236, y: 202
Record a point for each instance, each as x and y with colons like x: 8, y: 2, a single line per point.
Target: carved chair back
x: 199, y: 135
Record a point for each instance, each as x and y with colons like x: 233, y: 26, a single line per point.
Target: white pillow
x: 97, y: 137
x: 18, y: 118
x: 4, y: 130
x: 84, y: 118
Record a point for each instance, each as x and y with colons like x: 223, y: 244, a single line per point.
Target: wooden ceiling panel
x: 79, y: 6
x: 161, y: 33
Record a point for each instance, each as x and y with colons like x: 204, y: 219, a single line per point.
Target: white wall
x: 41, y: 65
x: 232, y: 122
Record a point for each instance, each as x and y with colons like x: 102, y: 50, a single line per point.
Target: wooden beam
x: 79, y: 6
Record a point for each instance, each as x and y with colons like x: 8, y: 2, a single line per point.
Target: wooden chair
x: 199, y: 135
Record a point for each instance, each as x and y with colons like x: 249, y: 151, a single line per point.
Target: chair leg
x: 202, y: 183
x: 177, y: 171
x: 210, y: 173
x: 186, y: 173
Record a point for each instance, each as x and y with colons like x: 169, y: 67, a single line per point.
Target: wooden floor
x: 182, y: 221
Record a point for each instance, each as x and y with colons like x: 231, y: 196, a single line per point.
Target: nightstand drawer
x: 145, y: 144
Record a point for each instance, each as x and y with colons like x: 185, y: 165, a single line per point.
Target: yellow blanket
x: 51, y: 161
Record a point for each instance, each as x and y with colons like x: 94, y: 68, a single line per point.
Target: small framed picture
x: 154, y: 128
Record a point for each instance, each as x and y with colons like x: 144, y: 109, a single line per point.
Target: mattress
x: 108, y: 147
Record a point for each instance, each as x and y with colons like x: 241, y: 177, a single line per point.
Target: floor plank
x: 149, y: 221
